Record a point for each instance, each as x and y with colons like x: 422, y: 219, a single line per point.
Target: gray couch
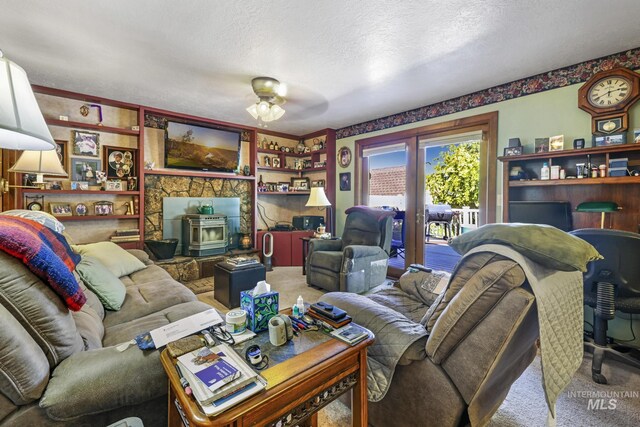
x: 60, y: 368
x: 358, y: 261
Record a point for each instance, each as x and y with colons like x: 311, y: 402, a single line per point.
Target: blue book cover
x: 211, y: 368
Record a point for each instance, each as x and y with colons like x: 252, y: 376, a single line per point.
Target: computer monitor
x: 557, y: 214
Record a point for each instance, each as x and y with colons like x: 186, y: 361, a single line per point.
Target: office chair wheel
x: 598, y: 378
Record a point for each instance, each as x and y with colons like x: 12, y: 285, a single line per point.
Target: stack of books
x: 132, y: 235
x: 239, y: 263
x: 333, y: 323
x: 219, y: 378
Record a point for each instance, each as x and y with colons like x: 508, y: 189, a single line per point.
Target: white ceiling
x: 344, y: 62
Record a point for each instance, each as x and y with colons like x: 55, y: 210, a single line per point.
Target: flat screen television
x: 192, y: 147
x: 557, y: 214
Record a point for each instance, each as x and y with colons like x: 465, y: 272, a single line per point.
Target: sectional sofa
x: 60, y: 367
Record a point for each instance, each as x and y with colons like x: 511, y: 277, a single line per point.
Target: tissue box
x: 259, y: 309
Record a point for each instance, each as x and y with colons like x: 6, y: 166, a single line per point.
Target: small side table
x: 228, y: 283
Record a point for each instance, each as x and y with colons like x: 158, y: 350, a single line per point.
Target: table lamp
x: 39, y: 163
x: 318, y: 198
x: 602, y: 207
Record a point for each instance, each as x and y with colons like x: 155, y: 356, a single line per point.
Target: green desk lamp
x: 602, y: 207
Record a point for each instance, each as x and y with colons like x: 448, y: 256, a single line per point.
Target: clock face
x: 609, y: 92
x: 34, y: 206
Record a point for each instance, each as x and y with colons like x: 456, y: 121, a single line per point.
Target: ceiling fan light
x: 277, y: 112
x: 263, y: 108
x: 253, y: 110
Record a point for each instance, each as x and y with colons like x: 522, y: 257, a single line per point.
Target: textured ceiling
x: 344, y: 62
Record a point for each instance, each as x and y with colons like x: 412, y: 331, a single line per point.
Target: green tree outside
x: 455, y: 179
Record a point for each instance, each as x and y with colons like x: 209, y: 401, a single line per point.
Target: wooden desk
x: 297, y: 388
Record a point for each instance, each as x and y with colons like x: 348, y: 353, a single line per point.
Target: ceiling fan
x: 270, y: 93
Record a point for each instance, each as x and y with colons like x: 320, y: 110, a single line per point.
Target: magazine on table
x: 351, y: 333
x: 241, y: 383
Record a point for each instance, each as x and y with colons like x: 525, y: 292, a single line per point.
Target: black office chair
x: 611, y: 284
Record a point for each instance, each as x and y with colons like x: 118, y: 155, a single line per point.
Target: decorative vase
x: 245, y: 241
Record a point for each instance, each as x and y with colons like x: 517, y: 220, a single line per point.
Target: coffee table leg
x: 359, y: 394
x: 173, y: 417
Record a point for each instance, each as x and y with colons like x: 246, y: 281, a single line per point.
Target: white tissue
x: 262, y: 288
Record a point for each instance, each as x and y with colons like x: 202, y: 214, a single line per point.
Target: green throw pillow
x: 109, y: 289
x: 543, y: 244
x: 113, y: 257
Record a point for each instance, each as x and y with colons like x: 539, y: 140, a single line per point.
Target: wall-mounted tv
x: 188, y: 146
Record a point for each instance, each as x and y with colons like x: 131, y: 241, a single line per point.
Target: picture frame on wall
x: 345, y: 181
x: 119, y: 162
x: 63, y: 156
x: 85, y: 143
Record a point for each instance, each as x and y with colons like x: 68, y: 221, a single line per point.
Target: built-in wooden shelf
x: 95, y: 217
x: 203, y: 174
x: 610, y: 180
x: 283, y: 193
x: 82, y: 125
x: 80, y: 192
x: 572, y: 153
x: 290, y: 154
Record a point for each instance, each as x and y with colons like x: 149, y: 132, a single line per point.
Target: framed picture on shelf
x: 85, y: 143
x: 283, y: 187
x: 119, y: 162
x: 317, y: 165
x: 63, y: 155
x: 81, y: 209
x: 271, y: 186
x: 556, y: 143
x: 636, y: 136
x: 103, y: 208
x: 60, y: 209
x: 542, y: 145
x: 607, y: 140
x: 511, y: 151
x: 79, y: 185
x: 132, y: 183
x: 85, y: 170
x: 301, y: 184
x: 275, y: 162
x: 318, y: 183
x: 113, y: 185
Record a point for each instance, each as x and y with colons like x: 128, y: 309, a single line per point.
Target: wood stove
x: 204, y: 235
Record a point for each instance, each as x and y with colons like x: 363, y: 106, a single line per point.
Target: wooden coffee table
x: 297, y: 386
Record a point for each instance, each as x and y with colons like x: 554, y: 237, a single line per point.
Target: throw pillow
x: 113, y: 257
x: 543, y: 244
x: 40, y: 217
x: 109, y: 289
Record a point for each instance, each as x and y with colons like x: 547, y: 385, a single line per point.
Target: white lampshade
x: 40, y: 163
x: 318, y: 198
x: 22, y: 126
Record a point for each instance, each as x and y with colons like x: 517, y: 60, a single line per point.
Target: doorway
x: 412, y: 147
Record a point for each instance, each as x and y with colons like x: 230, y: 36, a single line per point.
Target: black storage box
x: 229, y: 282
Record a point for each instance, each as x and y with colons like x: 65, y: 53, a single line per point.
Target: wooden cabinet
x: 623, y: 190
x: 287, y: 247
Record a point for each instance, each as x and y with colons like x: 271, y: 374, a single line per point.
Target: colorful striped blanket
x: 46, y: 253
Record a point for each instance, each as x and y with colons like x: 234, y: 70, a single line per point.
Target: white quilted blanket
x: 559, y: 298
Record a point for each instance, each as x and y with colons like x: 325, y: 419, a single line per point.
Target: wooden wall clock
x: 607, y: 96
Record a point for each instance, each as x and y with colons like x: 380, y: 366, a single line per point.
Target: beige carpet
x: 525, y: 404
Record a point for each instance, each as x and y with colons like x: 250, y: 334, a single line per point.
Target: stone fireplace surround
x: 157, y: 187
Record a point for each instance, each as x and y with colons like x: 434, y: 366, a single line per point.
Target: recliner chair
x: 359, y: 260
x: 611, y: 284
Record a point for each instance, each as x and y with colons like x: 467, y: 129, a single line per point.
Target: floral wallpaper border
x: 539, y: 83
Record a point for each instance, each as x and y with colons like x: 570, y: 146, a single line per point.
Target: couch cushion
x: 329, y: 260
x: 543, y: 244
x: 109, y: 289
x: 126, y: 331
x: 39, y: 310
x: 92, y: 299
x: 361, y: 229
x: 40, y: 217
x: 148, y: 297
x: 117, y: 260
x: 24, y: 369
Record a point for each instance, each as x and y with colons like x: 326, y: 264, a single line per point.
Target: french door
x: 410, y: 148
